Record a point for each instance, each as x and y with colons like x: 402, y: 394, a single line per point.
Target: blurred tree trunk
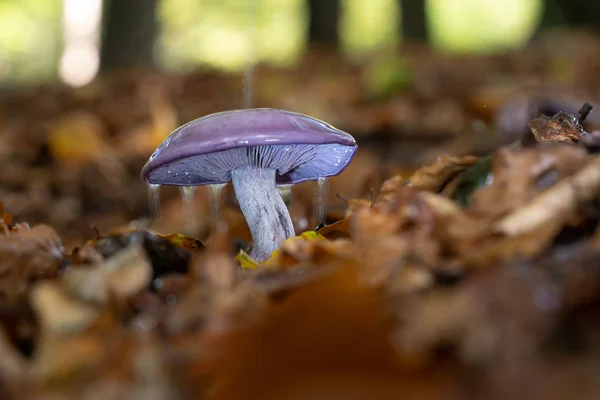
x: 324, y: 21
x: 414, y: 20
x: 571, y: 13
x: 129, y: 30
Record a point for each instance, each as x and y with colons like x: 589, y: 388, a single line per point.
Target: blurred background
x: 74, y: 40
x: 88, y: 88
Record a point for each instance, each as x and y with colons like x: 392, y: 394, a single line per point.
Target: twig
x: 584, y: 111
x: 96, y: 231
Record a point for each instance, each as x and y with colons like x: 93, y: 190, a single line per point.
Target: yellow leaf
x: 246, y: 261
x: 180, y: 240
x: 311, y: 235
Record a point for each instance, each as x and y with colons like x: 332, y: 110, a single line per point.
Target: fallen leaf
x: 560, y: 128
x: 433, y: 177
x: 123, y: 275
x: 558, y: 203
x: 58, y: 313
x: 518, y: 175
x: 27, y: 255
x: 293, y: 250
x: 183, y: 241
x: 337, y: 230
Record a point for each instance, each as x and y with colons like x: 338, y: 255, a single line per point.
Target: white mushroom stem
x: 264, y: 209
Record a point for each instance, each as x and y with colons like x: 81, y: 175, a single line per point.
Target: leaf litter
x: 474, y: 276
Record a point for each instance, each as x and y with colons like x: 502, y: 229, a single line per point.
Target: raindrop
x: 154, y: 200
x: 215, y: 204
x: 321, y: 202
x: 187, y: 196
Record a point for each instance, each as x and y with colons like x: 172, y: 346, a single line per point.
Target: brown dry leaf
x: 164, y: 256
x: 183, y: 241
x: 26, y: 255
x: 386, y: 235
x: 123, y: 275
x: 496, y: 318
x: 58, y: 313
x: 521, y: 174
x: 217, y: 309
x: 433, y: 177
x: 411, y: 279
x: 559, y: 202
x: 498, y: 249
x: 104, y: 363
x: 453, y: 225
x: 325, y: 320
x: 427, y: 320
x: 512, y: 118
x: 389, y: 189
x: 85, y: 255
x: 222, y: 299
x: 13, y: 368
x: 69, y: 357
x: 337, y: 230
x: 341, y: 228
x: 560, y: 128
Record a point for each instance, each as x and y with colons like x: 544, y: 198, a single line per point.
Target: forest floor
x: 460, y: 257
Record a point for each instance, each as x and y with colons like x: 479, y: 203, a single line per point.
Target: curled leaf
x: 433, y: 177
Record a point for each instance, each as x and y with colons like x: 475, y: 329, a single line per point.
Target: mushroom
x: 256, y: 149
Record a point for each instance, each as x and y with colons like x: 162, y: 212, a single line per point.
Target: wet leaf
x: 560, y: 128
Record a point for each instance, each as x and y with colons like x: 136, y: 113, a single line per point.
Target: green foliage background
x: 226, y: 34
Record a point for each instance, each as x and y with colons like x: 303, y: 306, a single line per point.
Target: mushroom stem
x: 264, y: 209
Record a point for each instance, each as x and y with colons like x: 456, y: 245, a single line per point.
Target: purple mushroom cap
x: 206, y: 150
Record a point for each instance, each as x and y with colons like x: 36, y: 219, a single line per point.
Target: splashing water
x: 248, y: 88
x: 154, y: 200
x: 187, y: 196
x: 321, y: 206
x: 215, y: 205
